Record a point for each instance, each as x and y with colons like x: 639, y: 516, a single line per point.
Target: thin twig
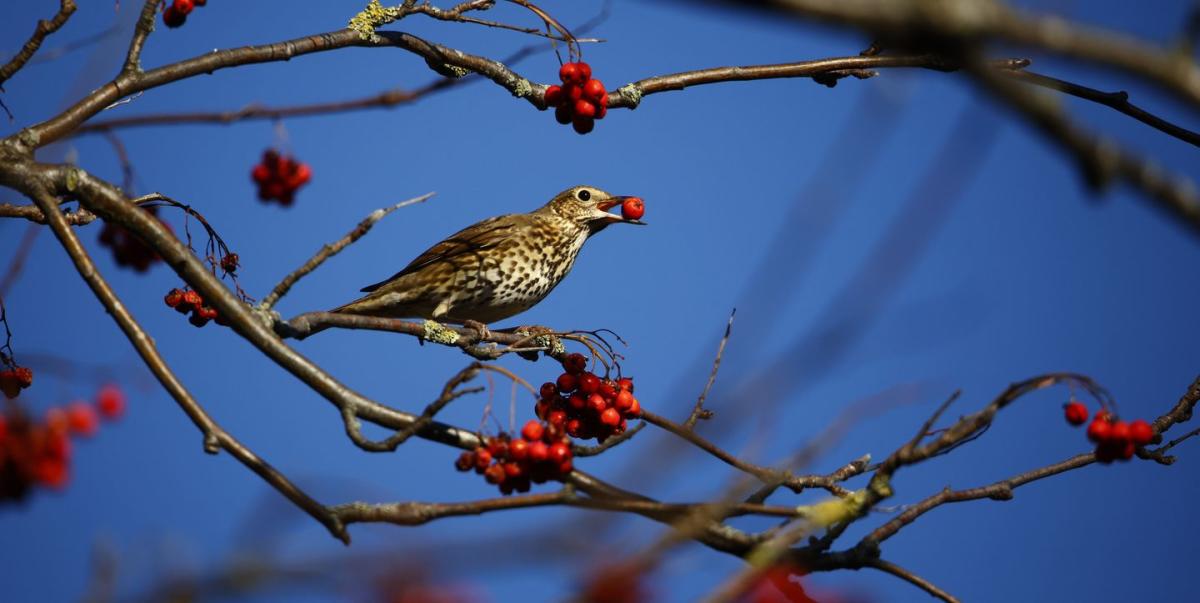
x: 698, y: 411
x: 44, y: 28
x: 915, y: 580
x: 331, y: 249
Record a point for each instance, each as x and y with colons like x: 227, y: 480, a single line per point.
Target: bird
x: 496, y: 268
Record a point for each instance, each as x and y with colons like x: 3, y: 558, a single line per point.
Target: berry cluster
x: 1114, y: 439
x: 581, y: 100
x: 279, y: 177
x: 187, y: 300
x: 633, y: 208
x: 128, y: 250
x: 176, y: 14
x: 39, y: 452
x: 15, y: 379
x: 586, y: 406
x: 541, y: 453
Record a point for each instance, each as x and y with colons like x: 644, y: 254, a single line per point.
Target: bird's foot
x: 482, y: 333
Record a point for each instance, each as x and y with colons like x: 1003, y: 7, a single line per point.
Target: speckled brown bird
x: 496, y: 268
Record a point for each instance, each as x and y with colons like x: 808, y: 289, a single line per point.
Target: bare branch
x: 915, y: 580
x: 1116, y: 100
x: 44, y: 28
x: 698, y: 411
x: 141, y: 31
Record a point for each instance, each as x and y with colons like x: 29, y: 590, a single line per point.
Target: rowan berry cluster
x: 586, y: 406
x: 539, y: 454
x: 581, y: 100
x: 176, y: 14
x: 1114, y: 439
x: 38, y: 453
x: 128, y: 250
x: 15, y: 379
x: 279, y: 177
x: 187, y: 300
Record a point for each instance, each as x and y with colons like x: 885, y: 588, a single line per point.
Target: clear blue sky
x: 1017, y: 272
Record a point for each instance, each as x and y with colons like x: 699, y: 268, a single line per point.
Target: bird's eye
x: 584, y: 195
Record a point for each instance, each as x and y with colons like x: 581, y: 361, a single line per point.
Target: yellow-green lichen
x: 373, y: 16
x: 439, y: 333
x: 835, y: 510
x: 631, y: 93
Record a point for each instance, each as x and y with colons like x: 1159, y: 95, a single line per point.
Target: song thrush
x: 496, y: 268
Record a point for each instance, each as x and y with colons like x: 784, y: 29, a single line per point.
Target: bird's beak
x: 607, y: 218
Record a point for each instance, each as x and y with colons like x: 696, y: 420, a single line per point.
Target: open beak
x: 612, y: 202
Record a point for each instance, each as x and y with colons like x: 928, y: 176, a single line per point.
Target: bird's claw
x: 482, y: 333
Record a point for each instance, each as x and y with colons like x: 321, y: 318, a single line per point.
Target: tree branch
x: 43, y: 29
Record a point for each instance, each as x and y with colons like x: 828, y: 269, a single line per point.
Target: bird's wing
x: 472, y: 239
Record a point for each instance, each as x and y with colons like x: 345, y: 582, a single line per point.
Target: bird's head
x: 587, y: 207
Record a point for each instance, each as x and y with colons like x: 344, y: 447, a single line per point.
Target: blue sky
x: 1015, y: 272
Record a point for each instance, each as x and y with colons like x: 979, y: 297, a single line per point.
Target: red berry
x: 584, y: 109
x: 572, y: 94
x: 577, y: 402
x: 601, y: 111
x: 610, y: 417
x: 568, y: 73
x: 585, y: 71
x: 184, y: 6
x: 173, y: 18
x: 607, y: 390
x: 1140, y: 432
x: 512, y: 470
x: 558, y: 419
x: 589, y: 383
x: 197, y: 319
x: 532, y: 431
x: 597, y: 403
x: 498, y: 447
x: 495, y: 474
x: 623, y: 401
x: 191, y: 300
x: 539, y: 451
x: 593, y: 90
x: 548, y: 391
x: 635, y: 409
x: 1126, y: 451
x: 3, y: 429
x: 541, y: 408
x: 173, y: 297
x: 518, y: 450
x: 559, y: 452
x: 207, y: 312
x: 575, y: 363
x: 1119, y: 434
x: 483, y: 458
x: 1105, y: 453
x: 633, y: 208
x: 562, y: 114
x: 1099, y: 429
x: 8, y: 384
x: 82, y: 419
x: 260, y: 174
x: 465, y: 462
x: 565, y: 467
x: 567, y: 382
x: 56, y: 421
x: 583, y: 125
x: 24, y: 376
x: 110, y: 401
x: 1076, y: 413
x: 553, y: 96
x: 573, y: 427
